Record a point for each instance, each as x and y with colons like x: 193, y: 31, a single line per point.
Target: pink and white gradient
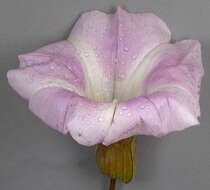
x: 117, y: 75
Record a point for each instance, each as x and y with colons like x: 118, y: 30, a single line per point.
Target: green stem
x: 112, y: 184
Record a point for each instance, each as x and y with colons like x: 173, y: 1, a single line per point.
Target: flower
x: 117, y: 75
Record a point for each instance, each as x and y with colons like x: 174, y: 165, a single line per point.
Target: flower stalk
x: 112, y: 184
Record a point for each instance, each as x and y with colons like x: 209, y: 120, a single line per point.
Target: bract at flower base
x: 118, y: 160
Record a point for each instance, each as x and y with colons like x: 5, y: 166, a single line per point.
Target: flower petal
x: 177, y: 66
x: 54, y: 88
x: 43, y: 55
x: 119, y: 56
x: 108, y: 44
x: 94, y: 38
x: 86, y: 120
x: 171, y: 83
x: 156, y: 114
x: 62, y: 69
x: 138, y: 34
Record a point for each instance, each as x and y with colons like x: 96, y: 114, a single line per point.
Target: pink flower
x: 116, y: 76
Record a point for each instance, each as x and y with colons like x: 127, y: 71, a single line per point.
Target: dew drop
x: 134, y: 57
x: 66, y: 76
x: 121, y: 113
x: 86, y: 54
x: 125, y: 49
x: 100, y: 119
x: 122, y: 75
x: 69, y: 68
x: 115, y: 60
x: 142, y: 106
x: 129, y: 114
x: 52, y: 67
x: 141, y: 120
x: 124, y: 108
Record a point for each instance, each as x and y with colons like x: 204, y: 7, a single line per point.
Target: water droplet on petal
x: 134, y: 57
x: 100, y: 119
x: 86, y: 54
x: 52, y: 67
x: 115, y: 60
x: 125, y: 49
x: 129, y: 114
x: 66, y: 76
x: 69, y: 67
x: 122, y: 76
x: 124, y: 108
x: 121, y: 113
x: 142, y: 106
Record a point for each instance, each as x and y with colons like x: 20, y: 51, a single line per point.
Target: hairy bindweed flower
x: 116, y: 76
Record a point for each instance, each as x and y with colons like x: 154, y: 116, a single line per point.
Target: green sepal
x: 118, y: 160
